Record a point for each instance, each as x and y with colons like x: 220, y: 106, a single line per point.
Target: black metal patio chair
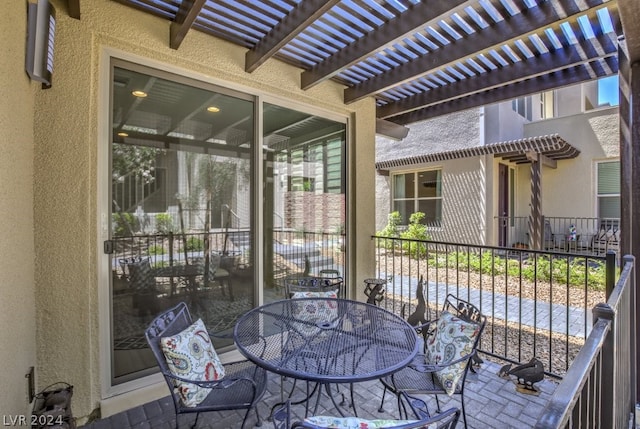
x: 315, y: 284
x: 436, y: 372
x: 445, y: 420
x: 214, y: 387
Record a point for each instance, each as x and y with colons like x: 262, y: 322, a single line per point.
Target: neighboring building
x: 471, y: 172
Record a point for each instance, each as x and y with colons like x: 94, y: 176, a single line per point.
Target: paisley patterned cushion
x: 315, y: 311
x: 453, y: 339
x: 190, y: 354
x: 354, y: 422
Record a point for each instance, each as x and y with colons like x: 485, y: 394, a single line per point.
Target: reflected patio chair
x: 216, y: 274
x: 314, y: 284
x: 438, y: 371
x: 445, y: 420
x: 198, y: 382
x: 139, y: 274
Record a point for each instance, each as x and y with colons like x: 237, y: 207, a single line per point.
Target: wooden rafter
x: 543, y: 83
x: 303, y: 15
x: 74, y: 8
x: 186, y: 16
x: 503, y: 32
x: 416, y: 17
x: 630, y: 17
x: 601, y: 47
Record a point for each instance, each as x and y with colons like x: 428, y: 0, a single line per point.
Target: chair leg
x: 464, y: 414
x: 194, y: 423
x: 384, y: 392
x: 259, y: 419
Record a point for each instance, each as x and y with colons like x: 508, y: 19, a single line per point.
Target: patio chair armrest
x: 427, y: 368
x: 223, y: 383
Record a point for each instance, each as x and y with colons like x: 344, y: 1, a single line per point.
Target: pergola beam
x: 504, y: 32
x: 566, y: 77
x: 186, y: 16
x: 74, y: 8
x: 417, y: 17
x: 603, y: 46
x: 296, y: 21
x: 630, y: 17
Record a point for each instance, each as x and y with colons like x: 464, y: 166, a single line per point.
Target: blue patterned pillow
x: 190, y: 354
x: 454, y: 338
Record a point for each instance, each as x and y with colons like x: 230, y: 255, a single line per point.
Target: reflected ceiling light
x: 213, y: 109
x: 140, y: 94
x: 122, y: 134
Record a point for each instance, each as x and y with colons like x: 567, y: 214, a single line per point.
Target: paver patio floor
x: 491, y: 402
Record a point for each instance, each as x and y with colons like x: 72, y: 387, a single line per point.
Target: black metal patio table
x: 326, y: 341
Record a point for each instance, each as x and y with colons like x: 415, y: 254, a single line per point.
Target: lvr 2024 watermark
x: 31, y: 420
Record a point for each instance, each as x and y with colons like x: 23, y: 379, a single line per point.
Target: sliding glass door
x: 181, y: 201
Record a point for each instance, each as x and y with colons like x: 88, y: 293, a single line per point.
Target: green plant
x: 156, y: 249
x: 415, y: 231
x: 390, y: 230
x: 164, y: 223
x: 125, y: 224
x: 194, y: 244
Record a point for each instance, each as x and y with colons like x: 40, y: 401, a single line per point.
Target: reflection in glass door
x: 304, y: 198
x: 181, y: 201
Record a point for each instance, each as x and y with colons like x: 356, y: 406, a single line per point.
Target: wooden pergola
x: 420, y: 60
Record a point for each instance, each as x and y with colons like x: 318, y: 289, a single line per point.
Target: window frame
x: 437, y: 222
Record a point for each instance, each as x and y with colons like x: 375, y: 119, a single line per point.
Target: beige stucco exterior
x: 17, y: 261
x: 53, y: 291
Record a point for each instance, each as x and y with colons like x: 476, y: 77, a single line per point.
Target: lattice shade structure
x: 418, y: 59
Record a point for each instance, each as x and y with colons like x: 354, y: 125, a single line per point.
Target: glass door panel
x: 182, y: 215
x: 304, y: 199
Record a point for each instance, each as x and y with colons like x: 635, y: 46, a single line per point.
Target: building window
x: 419, y: 191
x: 547, y: 105
x: 522, y: 106
x: 608, y: 176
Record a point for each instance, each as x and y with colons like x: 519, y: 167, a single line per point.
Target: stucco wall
x: 17, y: 290
x: 464, y: 186
x: 444, y: 133
x: 67, y: 159
x: 569, y: 190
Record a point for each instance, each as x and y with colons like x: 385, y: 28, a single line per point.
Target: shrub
x: 164, y: 223
x: 155, y: 249
x: 124, y: 224
x: 391, y: 230
x: 415, y: 231
x: 194, y: 244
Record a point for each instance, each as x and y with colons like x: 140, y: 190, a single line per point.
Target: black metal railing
x: 588, y: 235
x: 536, y: 302
x: 599, y: 389
x: 292, y: 249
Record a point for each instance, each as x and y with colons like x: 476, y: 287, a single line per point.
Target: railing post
x: 607, y: 400
x: 610, y: 272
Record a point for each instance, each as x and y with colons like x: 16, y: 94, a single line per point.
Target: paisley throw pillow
x: 190, y: 354
x: 454, y: 338
x: 315, y: 312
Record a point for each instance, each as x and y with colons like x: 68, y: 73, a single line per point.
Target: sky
x: 608, y: 91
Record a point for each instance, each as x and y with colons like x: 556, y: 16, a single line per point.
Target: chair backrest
x: 313, y: 284
x: 464, y: 310
x: 169, y: 323
x: 448, y: 419
x: 138, y: 271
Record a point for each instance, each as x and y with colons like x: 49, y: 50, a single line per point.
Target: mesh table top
x: 326, y: 340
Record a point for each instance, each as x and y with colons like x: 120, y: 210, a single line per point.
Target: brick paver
x: 491, y: 402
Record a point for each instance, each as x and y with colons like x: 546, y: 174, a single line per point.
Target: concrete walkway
x: 491, y: 402
x: 558, y: 318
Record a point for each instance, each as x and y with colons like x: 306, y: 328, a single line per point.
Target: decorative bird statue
x: 525, y: 375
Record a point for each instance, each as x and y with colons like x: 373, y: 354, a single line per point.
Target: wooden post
x: 536, y: 237
x: 629, y: 84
